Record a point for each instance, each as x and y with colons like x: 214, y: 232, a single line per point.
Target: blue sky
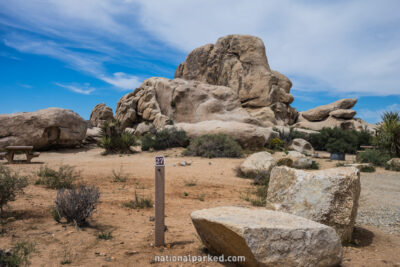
x: 77, y: 53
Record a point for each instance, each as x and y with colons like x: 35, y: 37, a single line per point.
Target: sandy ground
x: 132, y: 230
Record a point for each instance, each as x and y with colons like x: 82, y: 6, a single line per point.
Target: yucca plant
x: 115, y: 140
x: 388, y: 133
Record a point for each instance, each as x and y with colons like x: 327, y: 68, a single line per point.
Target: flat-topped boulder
x: 240, y: 62
x: 322, y: 112
x: 326, y: 196
x: 247, y: 135
x: 42, y: 129
x: 343, y: 113
x: 267, y: 238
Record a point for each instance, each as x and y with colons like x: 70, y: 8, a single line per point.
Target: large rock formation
x: 46, y: 128
x: 247, y: 135
x: 240, y: 62
x: 326, y: 196
x: 267, y: 238
x: 101, y: 114
x: 160, y: 100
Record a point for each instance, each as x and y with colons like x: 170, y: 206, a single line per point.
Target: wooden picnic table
x: 11, y: 150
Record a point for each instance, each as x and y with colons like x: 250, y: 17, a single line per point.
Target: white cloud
x: 123, y: 80
x: 76, y: 89
x: 343, y: 46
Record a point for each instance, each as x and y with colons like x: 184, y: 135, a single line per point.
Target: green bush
x: 275, y: 144
x: 373, y: 156
x: 388, y: 134
x: 314, y: 166
x: 335, y: 140
x: 64, y: 177
x: 166, y: 138
x: 214, y: 146
x: 18, y: 255
x: 11, y: 184
x: 367, y: 169
x: 115, y: 140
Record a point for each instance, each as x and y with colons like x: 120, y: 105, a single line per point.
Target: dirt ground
x: 215, y: 182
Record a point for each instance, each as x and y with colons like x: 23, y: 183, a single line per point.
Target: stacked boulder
x: 336, y: 114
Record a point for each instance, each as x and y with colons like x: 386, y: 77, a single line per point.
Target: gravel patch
x: 380, y: 201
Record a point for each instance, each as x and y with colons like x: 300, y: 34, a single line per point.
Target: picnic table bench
x: 11, y: 150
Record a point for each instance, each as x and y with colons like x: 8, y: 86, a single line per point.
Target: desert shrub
x: 340, y: 164
x: 275, y: 144
x: 166, y: 138
x: 18, y: 255
x: 105, y: 235
x: 114, y: 139
x: 140, y: 202
x: 285, y: 162
x: 77, y: 204
x: 214, y: 146
x: 367, y: 169
x: 388, y: 134
x: 373, y: 156
x: 190, y: 183
x: 11, y: 184
x: 119, y: 177
x: 64, y: 177
x: 337, y: 140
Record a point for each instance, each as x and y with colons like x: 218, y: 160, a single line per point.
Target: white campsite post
x: 159, y: 200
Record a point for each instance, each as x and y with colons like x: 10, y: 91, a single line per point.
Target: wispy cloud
x: 342, y: 47
x: 375, y: 115
x: 123, y: 80
x: 73, y: 88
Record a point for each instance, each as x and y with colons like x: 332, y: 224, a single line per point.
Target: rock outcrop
x: 43, y: 129
x: 101, y: 114
x: 161, y: 100
x: 326, y: 196
x: 240, y: 62
x: 247, y: 135
x: 258, y: 162
x: 267, y: 238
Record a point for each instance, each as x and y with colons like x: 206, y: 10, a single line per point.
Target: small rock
x: 130, y: 253
x: 152, y: 218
